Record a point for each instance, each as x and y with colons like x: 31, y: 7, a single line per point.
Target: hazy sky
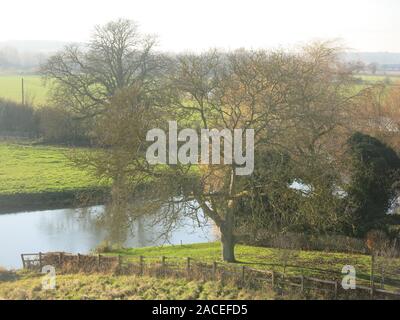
x: 365, y: 25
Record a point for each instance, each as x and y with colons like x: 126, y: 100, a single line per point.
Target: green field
x: 98, y: 286
x: 35, y: 90
x: 379, y: 78
x: 36, y: 169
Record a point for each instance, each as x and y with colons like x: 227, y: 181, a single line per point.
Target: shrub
x: 17, y: 119
x: 58, y: 126
x: 106, y: 247
x: 374, y: 170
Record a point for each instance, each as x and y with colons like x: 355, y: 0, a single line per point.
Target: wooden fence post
x: 141, y: 265
x: 23, y: 261
x: 214, y: 269
x: 98, y: 261
x: 79, y: 260
x: 163, y: 271
x: 188, y: 266
x: 273, y: 279
x: 119, y: 262
x: 60, y: 259
x: 372, y: 291
x: 383, y: 277
x: 302, y: 283
x: 372, y: 281
x: 336, y: 289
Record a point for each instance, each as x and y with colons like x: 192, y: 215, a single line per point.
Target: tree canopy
x: 301, y: 106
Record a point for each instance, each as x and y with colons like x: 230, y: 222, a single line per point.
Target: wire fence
x: 194, y: 269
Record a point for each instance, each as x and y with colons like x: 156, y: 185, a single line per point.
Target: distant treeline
x: 50, y: 124
x: 12, y: 59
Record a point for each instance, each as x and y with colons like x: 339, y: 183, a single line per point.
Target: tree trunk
x: 228, y: 240
x: 227, y: 227
x: 228, y: 249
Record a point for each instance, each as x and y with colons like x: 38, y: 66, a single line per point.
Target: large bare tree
x: 85, y: 76
x: 295, y: 102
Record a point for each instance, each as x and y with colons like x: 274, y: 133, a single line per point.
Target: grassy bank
x: 32, y: 176
x: 100, y: 286
x: 306, y: 262
x: 110, y: 285
x: 325, y: 265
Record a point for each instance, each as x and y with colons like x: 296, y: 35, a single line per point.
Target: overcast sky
x: 364, y: 25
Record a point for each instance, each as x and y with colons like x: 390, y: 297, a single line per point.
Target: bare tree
x: 294, y: 102
x: 84, y: 77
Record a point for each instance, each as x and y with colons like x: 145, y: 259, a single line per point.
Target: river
x: 78, y: 231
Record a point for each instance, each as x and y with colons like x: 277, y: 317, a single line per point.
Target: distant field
x: 35, y: 91
x: 379, y: 78
x: 35, y: 169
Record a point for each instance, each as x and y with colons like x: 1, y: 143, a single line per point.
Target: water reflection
x: 81, y: 230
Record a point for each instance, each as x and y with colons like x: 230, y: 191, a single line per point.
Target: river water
x: 78, y: 231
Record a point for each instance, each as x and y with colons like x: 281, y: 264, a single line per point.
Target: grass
x: 35, y: 90
x: 101, y: 286
x: 36, y: 169
x: 379, y: 78
x: 325, y: 265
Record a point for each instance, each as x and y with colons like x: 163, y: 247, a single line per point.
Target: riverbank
x: 34, y: 177
x: 50, y: 200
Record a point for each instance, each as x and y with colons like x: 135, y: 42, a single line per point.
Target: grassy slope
x: 327, y: 265
x: 98, y: 286
x: 28, y: 169
x: 35, y: 90
x: 108, y: 286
